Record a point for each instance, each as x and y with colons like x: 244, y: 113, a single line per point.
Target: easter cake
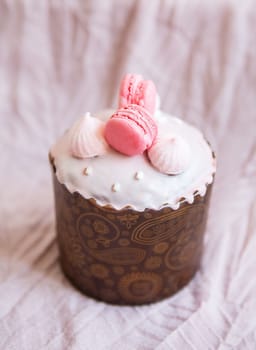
x: 132, y: 189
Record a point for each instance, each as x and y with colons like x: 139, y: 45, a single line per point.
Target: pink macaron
x: 135, y: 90
x: 131, y: 130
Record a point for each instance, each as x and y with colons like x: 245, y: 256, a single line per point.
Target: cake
x: 132, y: 188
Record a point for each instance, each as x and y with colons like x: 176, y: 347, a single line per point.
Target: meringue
x: 170, y: 155
x: 158, y: 102
x: 86, y: 138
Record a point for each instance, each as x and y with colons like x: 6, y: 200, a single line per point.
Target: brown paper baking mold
x: 124, y: 256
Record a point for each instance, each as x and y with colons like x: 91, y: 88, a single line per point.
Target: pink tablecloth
x: 59, y: 59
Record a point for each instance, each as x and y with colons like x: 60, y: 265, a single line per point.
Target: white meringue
x: 86, y: 138
x: 170, y: 155
x: 158, y: 102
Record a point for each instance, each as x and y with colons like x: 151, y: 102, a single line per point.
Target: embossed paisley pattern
x: 97, y: 227
x: 153, y: 262
x: 99, y: 271
x: 128, y: 257
x: 180, y: 256
x: 138, y: 286
x: 167, y: 225
x: 120, y: 256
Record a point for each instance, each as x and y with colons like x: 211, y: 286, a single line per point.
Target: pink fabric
x: 59, y: 59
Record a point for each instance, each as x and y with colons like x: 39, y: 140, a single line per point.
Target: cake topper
x: 86, y: 137
x: 135, y: 90
x: 170, y: 155
x: 131, y: 130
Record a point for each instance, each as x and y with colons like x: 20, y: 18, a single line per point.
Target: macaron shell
x: 142, y: 117
x: 131, y: 130
x: 148, y: 96
x: 128, y: 89
x: 135, y: 90
x: 125, y: 136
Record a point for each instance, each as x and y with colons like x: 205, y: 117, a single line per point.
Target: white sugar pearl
x: 116, y: 187
x: 139, y: 175
x: 87, y: 171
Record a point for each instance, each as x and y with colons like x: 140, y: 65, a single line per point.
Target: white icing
x: 156, y: 190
